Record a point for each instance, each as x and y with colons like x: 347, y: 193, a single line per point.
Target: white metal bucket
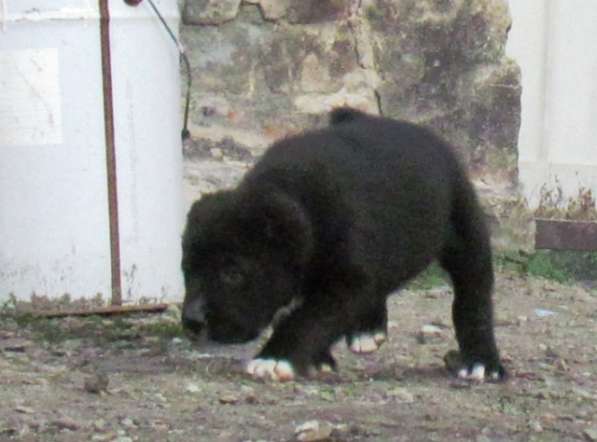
x: 55, y: 235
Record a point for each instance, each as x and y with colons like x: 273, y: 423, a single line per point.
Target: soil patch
x: 137, y: 378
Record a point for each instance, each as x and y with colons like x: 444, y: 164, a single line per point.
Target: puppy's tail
x: 345, y: 114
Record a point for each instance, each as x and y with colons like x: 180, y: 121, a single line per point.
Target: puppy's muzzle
x: 193, y: 317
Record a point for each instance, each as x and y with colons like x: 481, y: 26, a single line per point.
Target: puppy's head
x: 243, y: 257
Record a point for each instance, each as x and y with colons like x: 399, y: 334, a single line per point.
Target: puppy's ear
x: 345, y: 114
x: 205, y: 215
x: 283, y: 222
x: 210, y: 204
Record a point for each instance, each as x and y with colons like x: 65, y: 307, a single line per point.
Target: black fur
x: 339, y: 218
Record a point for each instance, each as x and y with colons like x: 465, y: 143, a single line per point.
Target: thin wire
x: 181, y: 51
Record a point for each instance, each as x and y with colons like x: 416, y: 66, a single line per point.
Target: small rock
x: 96, y: 383
x: 549, y: 417
x: 313, y: 431
x: 192, y: 388
x: 128, y: 423
x: 23, y: 409
x: 431, y: 330
x: 66, y: 423
x: 428, y: 332
x: 159, y: 425
x: 535, y: 426
x: 544, y: 313
x: 228, y: 398
x: 562, y: 365
x: 99, y: 425
x: 249, y: 394
x: 103, y: 437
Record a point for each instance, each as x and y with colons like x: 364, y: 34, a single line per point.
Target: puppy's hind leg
x: 467, y: 259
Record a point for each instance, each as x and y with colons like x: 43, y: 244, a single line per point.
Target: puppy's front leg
x: 370, y: 330
x: 301, y: 343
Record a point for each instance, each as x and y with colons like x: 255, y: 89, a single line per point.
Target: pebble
x: 249, y: 394
x: 561, y: 364
x: 127, y: 422
x: 159, y: 425
x: 535, y: 426
x: 99, y: 425
x: 23, y: 409
x: 66, y: 423
x: 431, y: 330
x: 96, y: 383
x: 192, y: 388
x: 228, y: 398
x: 103, y: 437
x: 544, y: 313
x: 313, y: 431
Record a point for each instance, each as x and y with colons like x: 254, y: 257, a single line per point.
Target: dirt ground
x: 136, y: 378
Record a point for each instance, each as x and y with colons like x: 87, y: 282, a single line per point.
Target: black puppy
x: 334, y: 221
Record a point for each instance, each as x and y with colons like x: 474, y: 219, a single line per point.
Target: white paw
x: 272, y: 369
x: 326, y: 368
x: 478, y: 374
x: 367, y: 343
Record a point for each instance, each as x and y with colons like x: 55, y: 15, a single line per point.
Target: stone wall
x: 266, y: 68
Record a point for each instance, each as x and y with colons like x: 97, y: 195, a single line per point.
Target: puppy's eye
x: 232, y: 277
